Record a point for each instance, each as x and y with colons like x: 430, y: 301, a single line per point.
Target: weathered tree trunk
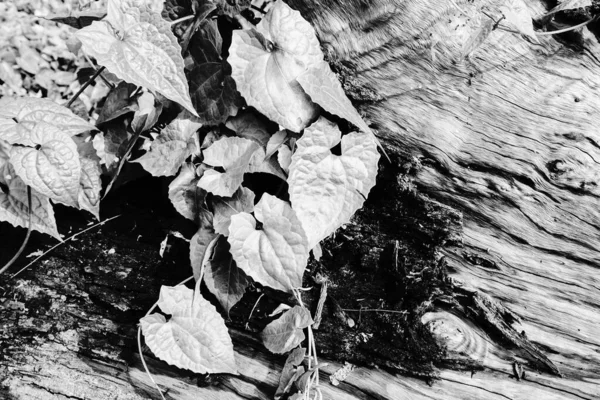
x: 506, y: 139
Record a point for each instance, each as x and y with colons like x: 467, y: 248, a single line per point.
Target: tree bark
x: 494, y: 167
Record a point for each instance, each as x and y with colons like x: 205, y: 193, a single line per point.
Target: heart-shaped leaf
x: 137, y: 45
x: 52, y: 168
x: 184, y: 193
x: 232, y: 154
x: 286, y: 380
x: 223, y: 278
x: 28, y: 111
x: 276, y: 255
x: 267, y: 61
x: 224, y: 208
x: 326, y: 189
x: 285, y: 333
x: 175, y: 143
x: 14, y: 204
x: 195, y: 337
x: 247, y: 124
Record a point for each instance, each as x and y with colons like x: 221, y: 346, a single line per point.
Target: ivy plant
x: 209, y: 115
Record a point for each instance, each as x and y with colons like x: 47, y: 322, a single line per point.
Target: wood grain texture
x: 509, y: 137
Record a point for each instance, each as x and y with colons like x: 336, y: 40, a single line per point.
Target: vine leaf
x: 146, y: 114
x: 195, y: 337
x: 212, y: 88
x: 27, y: 111
x: 175, y: 143
x: 570, y: 5
x: 14, y: 204
x: 517, y: 14
x: 137, y: 45
x: 223, y: 278
x: 111, y: 145
x: 275, y: 142
x: 224, y: 208
x: 118, y: 102
x: 90, y: 185
x: 232, y: 154
x: 184, y: 193
x: 266, y: 63
x: 200, y: 241
x: 284, y: 157
x: 78, y: 19
x: 285, y: 333
x: 249, y: 125
x: 324, y: 88
x: 52, y: 168
x: 293, y: 360
x: 276, y: 255
x: 326, y: 189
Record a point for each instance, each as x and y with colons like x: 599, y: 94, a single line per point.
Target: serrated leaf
x: 249, y: 126
x: 200, y: 242
x: 212, y: 88
x: 266, y: 63
x: 478, y: 37
x: 14, y: 204
x: 326, y: 189
x: 175, y: 143
x: 52, y: 167
x: 294, y: 359
x: 233, y: 154
x: 284, y: 157
x: 118, y: 102
x: 137, y: 45
x: 518, y: 16
x: 195, y: 337
x: 276, y: 255
x: 184, y: 193
x: 286, y: 332
x: 28, y: 111
x: 223, y: 278
x: 224, y: 208
x: 323, y: 87
x: 275, y: 142
x: 570, y: 5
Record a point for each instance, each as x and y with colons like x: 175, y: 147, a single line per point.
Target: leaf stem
x: 571, y: 28
x: 85, y: 85
x: 22, y: 248
x: 182, y: 19
x: 63, y: 242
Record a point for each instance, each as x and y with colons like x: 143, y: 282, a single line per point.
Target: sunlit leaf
x: 195, y: 337
x: 224, y: 208
x: 52, y: 167
x: 146, y: 114
x: 284, y: 157
x: 326, y: 189
x: 276, y: 255
x: 286, y: 332
x: 175, y: 143
x: 137, y: 45
x: 14, y: 204
x: 479, y: 36
x: 233, y: 154
x: 275, y: 142
x: 90, y: 186
x: 27, y: 111
x: 518, y: 16
x: 267, y: 61
x: 223, y: 278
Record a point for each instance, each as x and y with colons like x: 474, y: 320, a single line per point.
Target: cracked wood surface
x: 507, y: 137
x: 510, y: 138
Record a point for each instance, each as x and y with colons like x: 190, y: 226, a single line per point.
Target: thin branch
x: 85, y: 85
x: 24, y: 244
x: 106, y: 81
x: 571, y: 28
x: 63, y: 242
x: 374, y: 310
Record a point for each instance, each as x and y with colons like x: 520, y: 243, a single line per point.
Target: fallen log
x: 493, y: 178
